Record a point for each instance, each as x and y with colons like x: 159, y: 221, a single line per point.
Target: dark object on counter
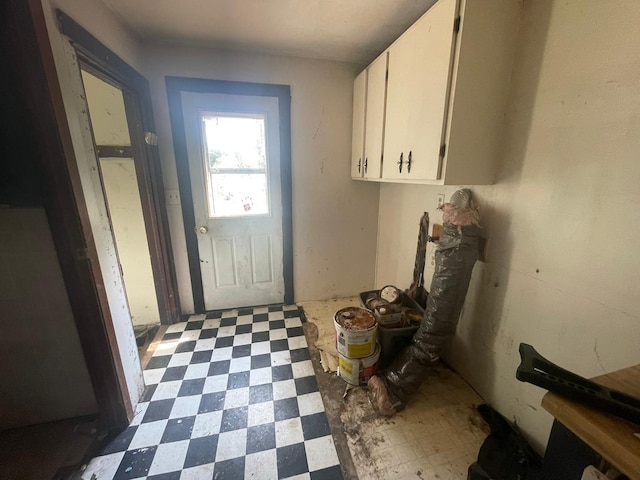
x: 455, y: 257
x: 505, y: 454
x: 536, y: 369
x: 417, y: 291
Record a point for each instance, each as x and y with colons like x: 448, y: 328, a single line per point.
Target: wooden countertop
x: 610, y: 436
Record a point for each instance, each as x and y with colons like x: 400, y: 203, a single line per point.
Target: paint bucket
x: 355, y: 332
x: 357, y: 371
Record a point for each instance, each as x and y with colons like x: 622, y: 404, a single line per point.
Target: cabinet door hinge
x: 443, y: 149
x: 456, y: 25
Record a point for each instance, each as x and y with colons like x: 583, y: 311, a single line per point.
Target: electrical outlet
x: 440, y: 200
x: 432, y: 259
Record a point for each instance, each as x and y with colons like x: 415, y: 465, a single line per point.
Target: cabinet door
x: 357, y: 141
x: 375, y: 116
x: 417, y: 94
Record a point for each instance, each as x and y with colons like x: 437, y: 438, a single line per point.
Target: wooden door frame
x: 102, y: 62
x: 177, y: 85
x: 67, y: 215
x: 63, y: 198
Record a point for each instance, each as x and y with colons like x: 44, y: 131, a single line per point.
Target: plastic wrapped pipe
x: 455, y: 257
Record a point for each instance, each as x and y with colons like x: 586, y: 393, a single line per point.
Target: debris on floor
x: 438, y: 434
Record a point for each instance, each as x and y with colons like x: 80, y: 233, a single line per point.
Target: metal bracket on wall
x: 436, y: 231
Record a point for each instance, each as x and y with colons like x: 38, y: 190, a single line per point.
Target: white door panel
x: 235, y: 182
x: 262, y: 258
x: 224, y: 260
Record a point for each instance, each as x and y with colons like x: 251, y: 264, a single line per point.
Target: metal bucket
x: 357, y: 371
x: 355, y: 332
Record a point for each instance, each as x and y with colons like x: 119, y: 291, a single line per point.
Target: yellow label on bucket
x: 346, y: 367
x: 360, y: 350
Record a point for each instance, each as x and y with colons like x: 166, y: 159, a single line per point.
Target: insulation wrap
x: 455, y: 257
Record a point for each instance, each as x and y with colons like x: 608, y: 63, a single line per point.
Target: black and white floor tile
x: 230, y: 395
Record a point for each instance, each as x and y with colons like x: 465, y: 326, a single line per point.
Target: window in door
x: 235, y: 164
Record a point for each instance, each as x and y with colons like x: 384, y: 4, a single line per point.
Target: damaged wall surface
x: 562, y: 271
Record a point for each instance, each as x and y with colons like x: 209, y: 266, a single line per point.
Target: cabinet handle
x: 400, y: 162
x: 366, y: 164
x: 409, y: 163
x: 359, y: 164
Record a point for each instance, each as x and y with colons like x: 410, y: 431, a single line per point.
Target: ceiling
x: 345, y: 30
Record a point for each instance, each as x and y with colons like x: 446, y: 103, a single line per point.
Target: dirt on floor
x: 437, y: 436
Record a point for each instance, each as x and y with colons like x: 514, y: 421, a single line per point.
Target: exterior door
x: 233, y: 149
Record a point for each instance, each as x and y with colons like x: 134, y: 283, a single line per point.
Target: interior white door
x: 234, y: 165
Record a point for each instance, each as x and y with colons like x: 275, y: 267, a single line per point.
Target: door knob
x: 202, y: 229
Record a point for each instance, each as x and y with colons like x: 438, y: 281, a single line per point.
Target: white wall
x: 334, y: 219
x: 562, y: 218
x: 94, y: 17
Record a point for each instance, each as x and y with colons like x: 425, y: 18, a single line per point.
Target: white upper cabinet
x: 375, y: 116
x: 369, y: 101
x: 357, y: 139
x: 419, y: 69
x: 445, y: 97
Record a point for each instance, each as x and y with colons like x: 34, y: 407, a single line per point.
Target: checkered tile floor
x: 230, y: 395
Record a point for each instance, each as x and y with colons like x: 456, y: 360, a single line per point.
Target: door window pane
x: 235, y: 164
x: 234, y: 195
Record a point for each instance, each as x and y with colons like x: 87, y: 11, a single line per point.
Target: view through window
x: 235, y: 164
